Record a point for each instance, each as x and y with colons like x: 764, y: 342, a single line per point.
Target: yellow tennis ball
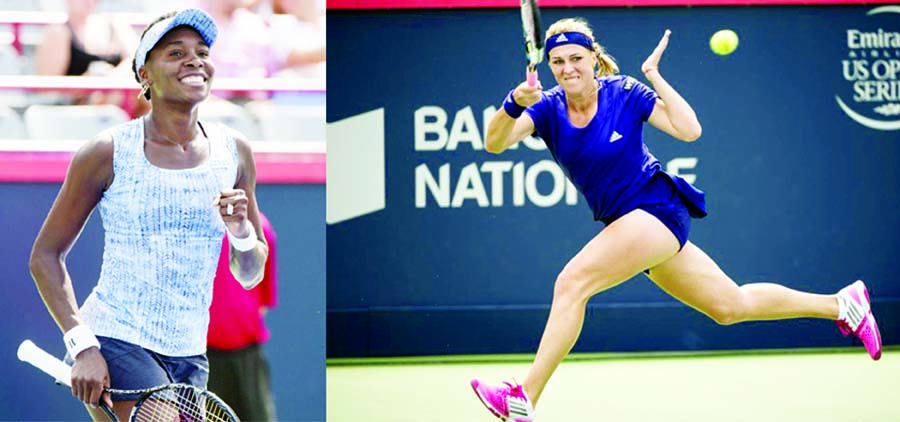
x: 723, y: 42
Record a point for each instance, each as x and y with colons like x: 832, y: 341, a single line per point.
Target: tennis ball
x: 723, y: 42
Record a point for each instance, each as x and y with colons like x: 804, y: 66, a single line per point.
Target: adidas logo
x: 561, y: 38
x: 615, y: 137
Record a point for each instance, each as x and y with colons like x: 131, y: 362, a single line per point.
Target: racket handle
x: 40, y: 359
x: 29, y: 352
x: 109, y: 412
x: 531, y: 77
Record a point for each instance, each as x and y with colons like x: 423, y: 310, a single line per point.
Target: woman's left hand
x: 233, y: 209
x: 652, y: 62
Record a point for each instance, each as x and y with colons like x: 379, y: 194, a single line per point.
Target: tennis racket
x: 534, y: 42
x: 172, y: 402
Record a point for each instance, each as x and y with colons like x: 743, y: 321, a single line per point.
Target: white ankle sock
x: 842, y: 307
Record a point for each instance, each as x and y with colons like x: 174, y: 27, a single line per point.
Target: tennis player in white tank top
x: 167, y: 187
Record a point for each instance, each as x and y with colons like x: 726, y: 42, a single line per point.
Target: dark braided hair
x: 137, y: 76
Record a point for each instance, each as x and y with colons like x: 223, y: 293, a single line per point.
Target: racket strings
x: 179, y: 404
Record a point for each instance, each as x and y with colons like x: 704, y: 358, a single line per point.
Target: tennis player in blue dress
x: 592, y: 123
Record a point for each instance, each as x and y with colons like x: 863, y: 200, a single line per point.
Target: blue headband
x: 563, y: 38
x: 195, y: 18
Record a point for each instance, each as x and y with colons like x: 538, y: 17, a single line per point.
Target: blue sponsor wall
x: 799, y: 192
x: 296, y: 351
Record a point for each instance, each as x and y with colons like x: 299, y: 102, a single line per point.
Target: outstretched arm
x: 671, y: 114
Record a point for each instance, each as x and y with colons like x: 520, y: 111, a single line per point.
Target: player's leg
x: 131, y: 367
x: 122, y: 409
x: 693, y: 277
x: 190, y: 370
x: 629, y: 245
x: 118, y: 368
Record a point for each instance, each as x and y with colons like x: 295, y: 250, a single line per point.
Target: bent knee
x: 726, y: 313
x: 574, y: 286
x: 568, y: 288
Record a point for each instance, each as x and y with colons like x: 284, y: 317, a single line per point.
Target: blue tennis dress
x: 162, y: 243
x: 607, y: 159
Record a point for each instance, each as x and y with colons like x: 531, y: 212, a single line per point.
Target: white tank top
x: 162, y: 243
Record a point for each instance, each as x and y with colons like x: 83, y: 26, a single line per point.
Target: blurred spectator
x: 303, y: 21
x: 87, y: 44
x: 251, y: 46
x: 157, y: 7
x: 293, y: 44
x: 238, y: 369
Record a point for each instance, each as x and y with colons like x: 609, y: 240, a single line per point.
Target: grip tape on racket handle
x: 531, y: 77
x: 40, y: 359
x: 29, y: 352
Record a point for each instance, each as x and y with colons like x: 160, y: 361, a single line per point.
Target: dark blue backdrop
x: 798, y: 191
x: 296, y: 352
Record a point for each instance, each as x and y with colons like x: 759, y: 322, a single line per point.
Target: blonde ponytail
x: 606, y: 64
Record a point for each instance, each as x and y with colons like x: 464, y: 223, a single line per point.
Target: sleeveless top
x: 607, y: 159
x: 162, y: 243
x: 80, y: 59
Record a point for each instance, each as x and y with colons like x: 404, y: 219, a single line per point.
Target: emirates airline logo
x: 872, y: 67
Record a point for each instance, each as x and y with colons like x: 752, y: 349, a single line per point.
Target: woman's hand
x: 233, y: 205
x: 527, y: 95
x: 89, y: 377
x: 652, y: 62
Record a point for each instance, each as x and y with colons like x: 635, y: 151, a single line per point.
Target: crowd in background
x: 258, y: 39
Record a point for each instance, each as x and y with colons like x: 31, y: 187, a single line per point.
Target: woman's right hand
x: 527, y: 95
x: 503, y: 130
x: 89, y: 378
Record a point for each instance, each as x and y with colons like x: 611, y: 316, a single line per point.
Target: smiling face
x: 179, y: 67
x: 573, y: 67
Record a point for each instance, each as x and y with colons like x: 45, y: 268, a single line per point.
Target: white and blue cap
x: 195, y: 18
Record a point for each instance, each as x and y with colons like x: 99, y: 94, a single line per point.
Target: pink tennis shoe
x: 856, y: 317
x: 509, y: 402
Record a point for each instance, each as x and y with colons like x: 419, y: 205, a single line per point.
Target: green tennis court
x: 792, y: 386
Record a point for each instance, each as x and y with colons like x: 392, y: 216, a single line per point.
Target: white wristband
x: 243, y: 244
x: 78, y: 339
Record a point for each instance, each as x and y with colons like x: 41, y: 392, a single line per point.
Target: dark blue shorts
x: 131, y: 367
x: 661, y: 199
x: 673, y: 215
